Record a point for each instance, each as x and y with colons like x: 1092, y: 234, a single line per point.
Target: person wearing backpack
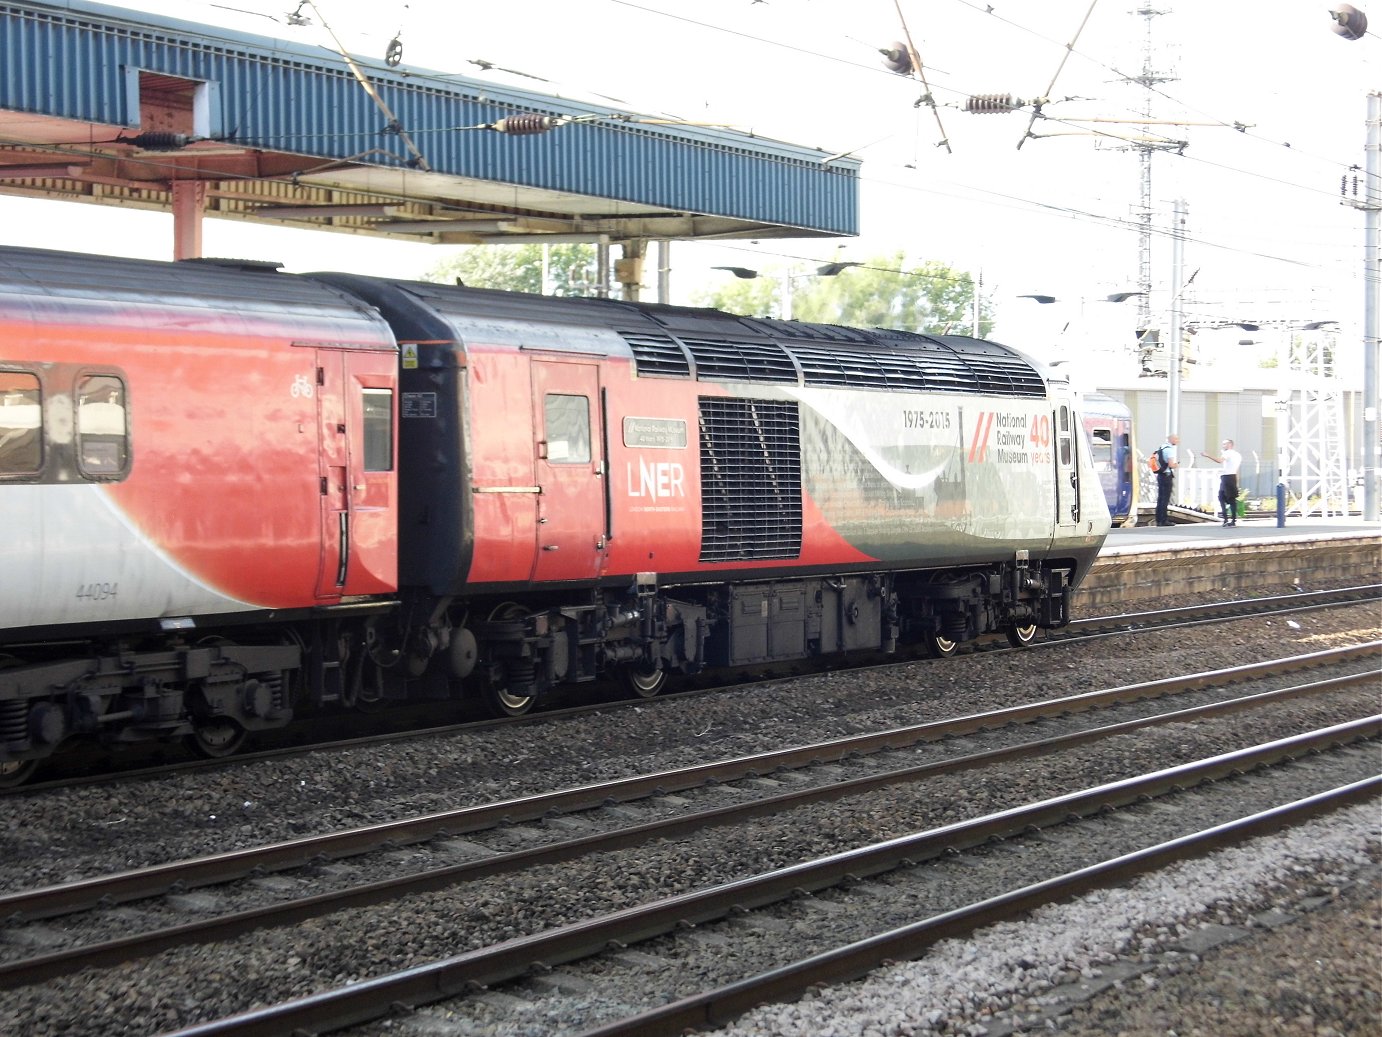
x: 1166, y: 465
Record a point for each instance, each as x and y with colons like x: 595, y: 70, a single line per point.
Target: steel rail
x: 372, y: 998
x: 46, y: 967
x: 49, y: 901
x: 1219, y: 611
x: 843, y: 964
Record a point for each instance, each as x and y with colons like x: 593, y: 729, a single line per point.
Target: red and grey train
x: 230, y: 494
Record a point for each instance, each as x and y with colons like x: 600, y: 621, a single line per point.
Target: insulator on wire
x: 985, y: 104
x: 522, y: 125
x: 1349, y: 22
x: 897, y: 58
x: 158, y: 141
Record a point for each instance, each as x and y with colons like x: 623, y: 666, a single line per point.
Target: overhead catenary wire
x: 993, y: 197
x: 1241, y: 126
x: 919, y: 70
x: 391, y: 121
x: 1069, y: 48
x: 987, y: 10
x: 986, y: 196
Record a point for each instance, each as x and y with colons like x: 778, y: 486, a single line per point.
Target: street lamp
x: 1114, y: 297
x: 785, y: 286
x: 832, y: 269
x: 1046, y: 300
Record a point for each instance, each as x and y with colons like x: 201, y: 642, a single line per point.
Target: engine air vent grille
x: 658, y: 355
x: 859, y: 369
x: 923, y: 365
x: 723, y: 360
x: 750, y: 479
x: 793, y: 353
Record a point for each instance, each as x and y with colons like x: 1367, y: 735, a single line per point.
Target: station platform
x: 1196, y: 528
x: 1256, y: 556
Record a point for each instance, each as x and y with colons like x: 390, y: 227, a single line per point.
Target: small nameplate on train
x: 668, y: 433
x: 419, y: 405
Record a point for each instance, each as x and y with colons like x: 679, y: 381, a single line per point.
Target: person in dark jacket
x: 1166, y: 478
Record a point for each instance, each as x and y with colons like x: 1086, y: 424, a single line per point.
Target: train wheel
x: 941, y: 647
x: 641, y: 681
x: 217, y: 737
x: 14, y: 773
x: 1021, y: 636
x: 505, y: 703
x: 370, y: 696
x: 515, y: 696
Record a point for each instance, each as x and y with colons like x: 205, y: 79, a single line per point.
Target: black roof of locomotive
x: 711, y: 345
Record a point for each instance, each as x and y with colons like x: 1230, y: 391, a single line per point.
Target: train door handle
x: 551, y: 547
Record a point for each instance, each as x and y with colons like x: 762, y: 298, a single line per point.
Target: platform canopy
x: 106, y: 105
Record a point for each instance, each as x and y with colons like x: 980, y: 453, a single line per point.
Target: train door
x: 355, y: 395
x: 570, y: 471
x: 1067, y: 470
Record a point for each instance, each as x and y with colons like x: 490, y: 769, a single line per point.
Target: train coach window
x: 1101, y: 446
x: 378, y: 410
x: 21, y: 410
x: 568, y: 428
x: 102, y: 428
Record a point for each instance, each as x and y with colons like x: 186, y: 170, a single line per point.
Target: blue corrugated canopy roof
x: 104, y: 104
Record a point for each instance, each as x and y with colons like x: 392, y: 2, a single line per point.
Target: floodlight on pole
x: 831, y: 269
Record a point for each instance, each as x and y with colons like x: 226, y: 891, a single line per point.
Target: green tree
x: 518, y: 268
x: 881, y: 293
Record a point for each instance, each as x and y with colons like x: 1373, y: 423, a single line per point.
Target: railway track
x: 850, y: 961
x: 830, y: 779
x: 77, y: 772
x: 759, y: 903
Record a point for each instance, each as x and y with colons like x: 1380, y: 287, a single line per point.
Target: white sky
x: 1266, y: 228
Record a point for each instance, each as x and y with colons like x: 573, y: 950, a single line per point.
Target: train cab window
x: 568, y: 428
x: 102, y: 428
x: 21, y: 410
x: 378, y: 412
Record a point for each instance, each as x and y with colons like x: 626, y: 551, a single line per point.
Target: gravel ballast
x: 92, y: 830
x: 1281, y: 936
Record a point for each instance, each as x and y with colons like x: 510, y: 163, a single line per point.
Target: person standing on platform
x: 1166, y: 478
x: 1228, y: 481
